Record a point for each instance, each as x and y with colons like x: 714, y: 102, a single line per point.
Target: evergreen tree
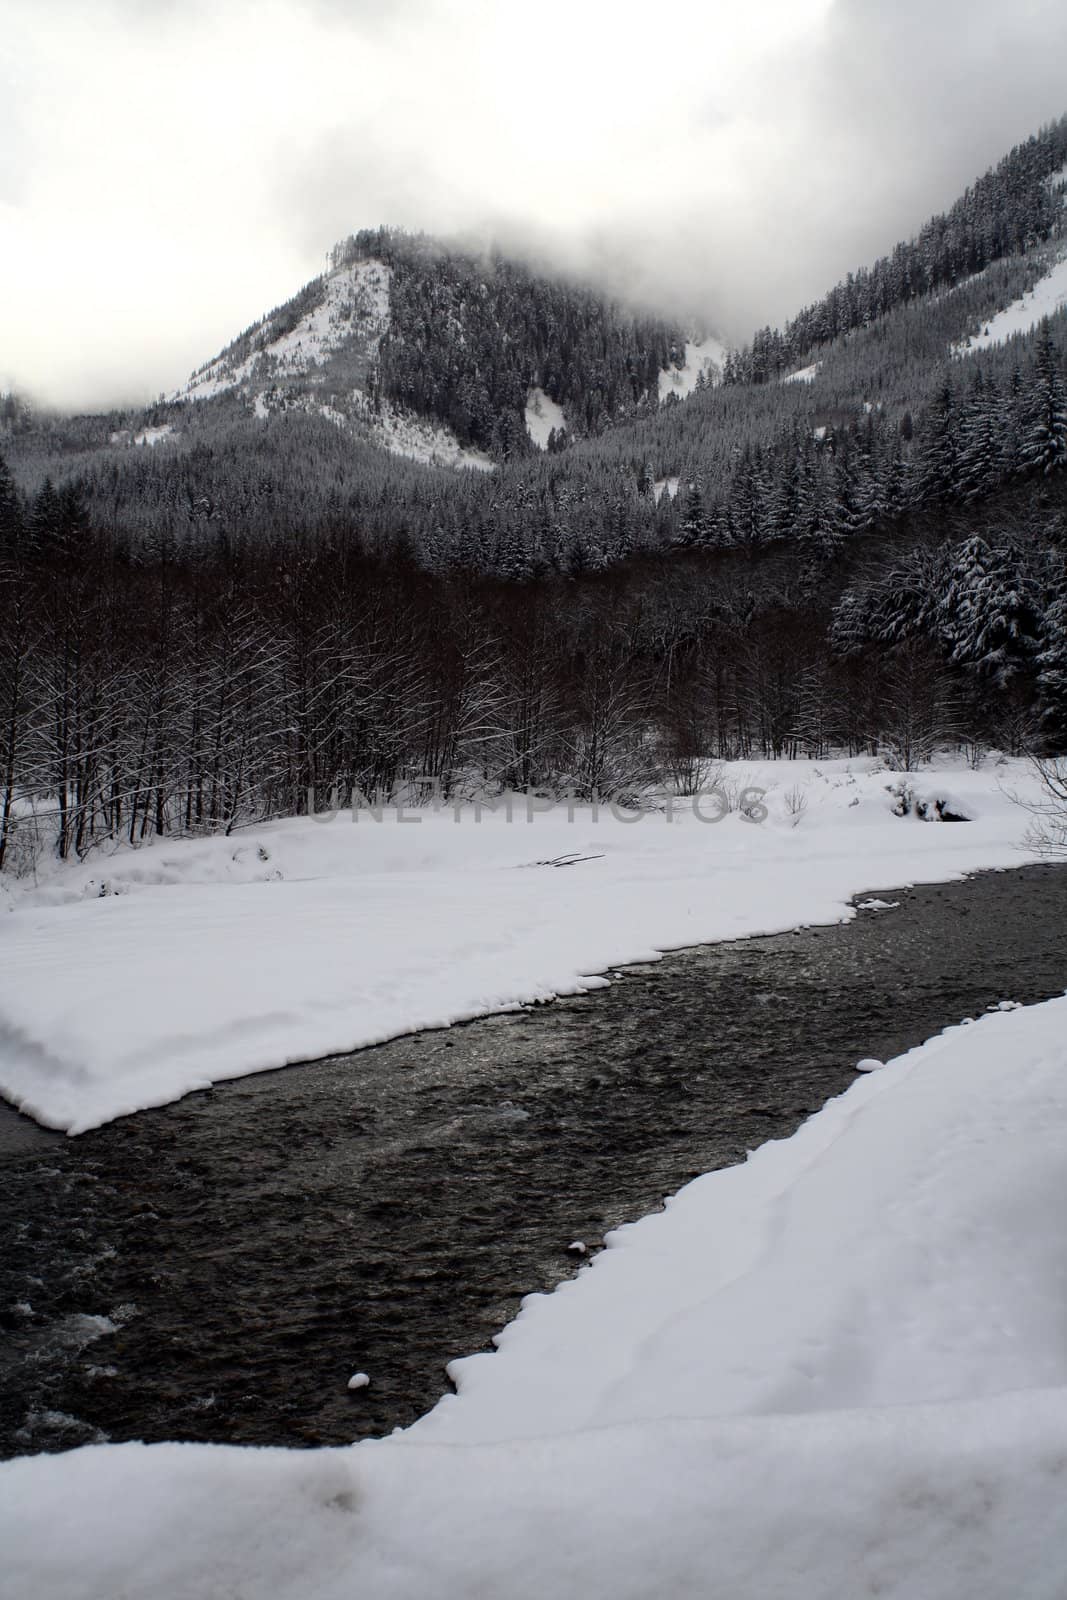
x: 46, y: 519
x: 938, y: 477
x: 989, y: 614
x: 694, y: 528
x: 1052, y: 665
x: 749, y: 506
x: 817, y: 529
x: 981, y: 461
x: 1045, y: 445
x: 896, y: 484
x: 845, y: 519
x: 10, y: 512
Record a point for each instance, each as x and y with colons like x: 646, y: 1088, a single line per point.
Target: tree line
x: 157, y: 689
x: 731, y: 469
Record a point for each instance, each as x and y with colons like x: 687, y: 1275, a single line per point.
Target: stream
x: 216, y: 1270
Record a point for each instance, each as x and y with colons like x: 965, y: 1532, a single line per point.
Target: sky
x: 170, y: 170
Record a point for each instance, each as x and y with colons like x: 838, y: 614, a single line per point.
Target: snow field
x: 804, y: 374
x: 1048, y: 296
x: 405, y: 434
x: 707, y: 357
x: 131, y: 980
x: 147, y: 436
x: 542, y: 415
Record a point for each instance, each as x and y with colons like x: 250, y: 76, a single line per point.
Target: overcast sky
x: 171, y: 169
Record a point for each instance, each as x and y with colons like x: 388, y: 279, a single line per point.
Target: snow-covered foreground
x: 838, y: 1370
x: 131, y: 980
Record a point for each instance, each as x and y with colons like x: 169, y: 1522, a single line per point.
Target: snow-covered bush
x: 908, y: 802
x: 796, y: 803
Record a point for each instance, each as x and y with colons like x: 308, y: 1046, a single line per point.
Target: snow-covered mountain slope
x: 1057, y: 183
x: 433, y: 445
x: 146, y: 436
x: 451, y: 355
x: 704, y: 357
x: 1045, y: 299
x: 803, y: 374
x: 542, y: 416
x: 353, y: 308
x: 320, y: 358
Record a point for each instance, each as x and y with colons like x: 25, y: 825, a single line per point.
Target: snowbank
x: 838, y: 1370
x: 132, y: 980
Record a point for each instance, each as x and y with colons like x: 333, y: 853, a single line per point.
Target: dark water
x: 253, y: 1246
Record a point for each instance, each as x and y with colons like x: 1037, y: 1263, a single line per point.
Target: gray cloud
x: 171, y: 171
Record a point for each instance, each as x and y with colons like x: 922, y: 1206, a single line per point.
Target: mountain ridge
x: 597, y: 431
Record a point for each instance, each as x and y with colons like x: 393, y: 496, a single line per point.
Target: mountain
x: 406, y: 351
x: 446, y: 357
x: 599, y: 433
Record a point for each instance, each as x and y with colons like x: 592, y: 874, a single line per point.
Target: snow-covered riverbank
x: 132, y: 979
x: 835, y: 1370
